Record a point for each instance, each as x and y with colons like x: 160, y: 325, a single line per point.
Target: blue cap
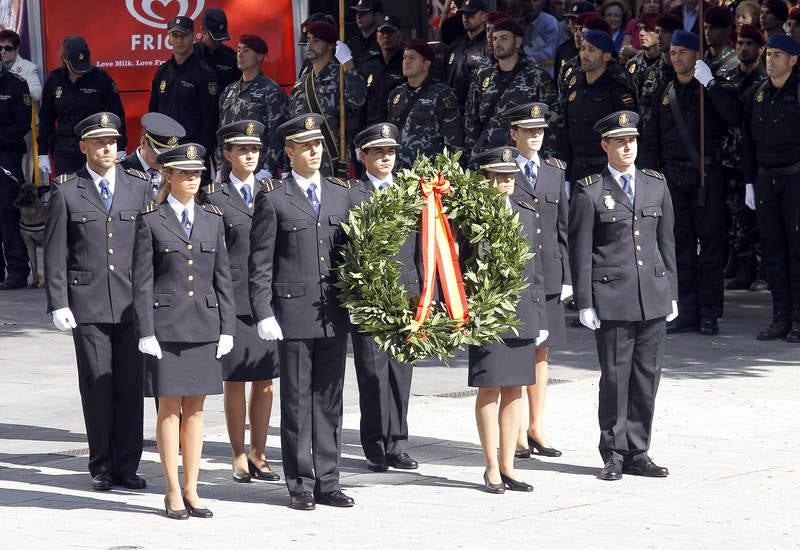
x: 686, y: 39
x: 783, y: 42
x: 600, y: 39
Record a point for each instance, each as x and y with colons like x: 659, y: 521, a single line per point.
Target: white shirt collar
x: 523, y: 160
x: 179, y: 207
x: 145, y: 166
x: 377, y: 182
x: 631, y: 171
x: 237, y: 183
x: 304, y: 183
x: 111, y: 178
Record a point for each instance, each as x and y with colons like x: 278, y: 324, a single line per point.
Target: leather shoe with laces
x: 102, y: 482
x: 709, y: 326
x: 794, y: 335
x: 335, y: 498
x: 303, y: 501
x: 612, y: 471
x: 645, y: 468
x: 776, y: 330
x: 377, y: 465
x: 130, y: 481
x: 680, y: 325
x: 403, y: 461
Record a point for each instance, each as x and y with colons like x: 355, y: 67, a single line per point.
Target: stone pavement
x: 726, y: 426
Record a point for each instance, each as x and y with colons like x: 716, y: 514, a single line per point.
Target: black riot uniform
x: 382, y: 77
x: 221, y: 60
x: 87, y: 256
x: 294, y: 252
x: 363, y: 47
x: 622, y: 255
x: 463, y: 56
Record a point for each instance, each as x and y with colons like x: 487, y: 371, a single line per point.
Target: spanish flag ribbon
x: 439, y: 256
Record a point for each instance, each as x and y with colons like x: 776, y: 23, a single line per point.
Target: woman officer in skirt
x: 185, y: 317
x: 252, y: 359
x: 500, y: 370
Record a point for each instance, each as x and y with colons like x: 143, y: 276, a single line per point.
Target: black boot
x: 779, y: 327
x: 732, y: 267
x: 744, y: 276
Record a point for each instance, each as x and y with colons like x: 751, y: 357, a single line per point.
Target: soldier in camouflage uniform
x: 256, y: 97
x: 318, y: 90
x: 720, y: 57
x: 425, y: 110
x: 512, y: 79
x: 647, y: 68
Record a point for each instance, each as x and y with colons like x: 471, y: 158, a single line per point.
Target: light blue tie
x: 530, y: 173
x: 105, y: 194
x: 384, y: 185
x: 626, y: 186
x: 247, y: 195
x: 312, y: 197
x: 187, y: 225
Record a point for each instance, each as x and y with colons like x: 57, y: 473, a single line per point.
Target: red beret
x: 794, y: 14
x: 323, y: 30
x: 649, y: 21
x: 718, y: 16
x: 778, y: 8
x: 255, y: 43
x: 669, y: 22
x: 597, y: 23
x: 422, y: 48
x: 749, y: 31
x: 509, y: 25
x: 495, y: 16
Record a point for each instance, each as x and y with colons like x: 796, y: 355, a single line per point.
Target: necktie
x: 187, y: 225
x: 312, y: 197
x: 530, y: 173
x: 626, y: 186
x: 105, y: 194
x: 155, y: 181
x: 247, y: 195
x: 384, y: 185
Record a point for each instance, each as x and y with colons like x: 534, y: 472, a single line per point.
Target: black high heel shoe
x: 265, y: 475
x: 514, y: 485
x: 175, y: 514
x: 496, y: 488
x: 241, y: 478
x: 543, y: 451
x: 197, y: 512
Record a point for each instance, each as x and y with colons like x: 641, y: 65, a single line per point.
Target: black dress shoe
x: 646, y: 468
x: 102, y: 482
x: 197, y: 512
x: 130, y: 482
x: 759, y: 285
x: 612, y: 471
x: 403, y: 461
x: 742, y: 281
x: 175, y: 514
x: 514, y: 485
x: 522, y: 453
x: 709, y: 326
x: 677, y: 325
x: 793, y: 337
x: 377, y: 465
x: 495, y: 488
x: 303, y: 501
x: 264, y: 475
x: 335, y: 498
x: 241, y: 477
x: 538, y: 449
x: 13, y: 284
x: 776, y: 330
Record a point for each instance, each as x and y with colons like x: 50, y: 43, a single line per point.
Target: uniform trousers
x: 631, y: 354
x: 312, y: 377
x: 700, y: 217
x: 384, y: 386
x: 110, y: 382
x: 12, y: 247
x: 778, y: 211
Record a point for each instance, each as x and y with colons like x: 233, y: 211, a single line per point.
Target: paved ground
x: 726, y: 425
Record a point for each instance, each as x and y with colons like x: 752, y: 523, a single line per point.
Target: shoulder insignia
x: 136, y: 173
x: 449, y: 101
x: 632, y: 67
x: 726, y: 84
x: 589, y: 180
x: 558, y: 163
x: 212, y: 208
x: 653, y: 174
x: 152, y: 206
x: 627, y: 100
x: 64, y: 178
x: 212, y: 187
x: 269, y: 184
x: 339, y: 181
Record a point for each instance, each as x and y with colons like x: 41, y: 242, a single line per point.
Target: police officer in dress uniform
x: 296, y: 225
x: 185, y: 88
x: 622, y: 255
x: 256, y: 97
x: 159, y: 133
x: 771, y: 118
x: 423, y: 109
x: 384, y: 384
x: 671, y: 141
x: 88, y: 251
x: 542, y: 180
x: 218, y: 56
x: 70, y: 94
x: 468, y: 50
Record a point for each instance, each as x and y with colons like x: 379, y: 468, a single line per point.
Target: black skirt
x: 500, y: 365
x: 556, y: 322
x: 251, y: 358
x: 184, y: 369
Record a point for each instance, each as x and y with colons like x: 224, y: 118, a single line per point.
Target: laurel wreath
x: 493, y: 252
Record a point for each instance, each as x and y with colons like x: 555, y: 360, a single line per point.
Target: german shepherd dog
x: 32, y: 218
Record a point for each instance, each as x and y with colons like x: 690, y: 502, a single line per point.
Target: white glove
x: 263, y: 173
x: 543, y: 334
x: 268, y: 329
x: 343, y: 53
x: 63, y: 319
x: 44, y: 164
x: 566, y: 293
x: 588, y: 318
x: 749, y: 196
x: 702, y: 73
x: 149, y: 346
x: 674, y: 315
x: 225, y: 345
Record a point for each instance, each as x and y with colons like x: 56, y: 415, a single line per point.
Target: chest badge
x: 486, y: 82
x: 573, y: 80
x: 59, y: 92
x: 452, y: 58
x: 760, y: 97
x: 369, y: 80
x: 608, y: 202
x: 396, y: 99
x: 632, y: 68
x: 163, y: 86
x: 665, y: 100
x: 572, y: 95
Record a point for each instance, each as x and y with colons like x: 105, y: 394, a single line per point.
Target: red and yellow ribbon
x: 439, y: 256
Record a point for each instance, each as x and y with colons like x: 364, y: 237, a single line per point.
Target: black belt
x: 782, y: 171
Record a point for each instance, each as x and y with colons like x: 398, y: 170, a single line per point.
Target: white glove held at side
x: 749, y: 196
x: 674, y: 315
x: 44, y: 164
x: 566, y: 293
x: 225, y: 345
x: 588, y: 318
x: 149, y: 346
x: 63, y: 319
x: 268, y: 329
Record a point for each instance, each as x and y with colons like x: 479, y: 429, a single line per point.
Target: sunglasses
x: 7, y: 48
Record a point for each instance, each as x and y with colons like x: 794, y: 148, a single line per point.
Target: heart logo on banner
x: 156, y: 13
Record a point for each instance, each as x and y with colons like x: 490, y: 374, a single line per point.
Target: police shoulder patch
x: 211, y: 188
x: 449, y: 101
x: 653, y: 174
x: 627, y: 99
x: 151, y: 207
x: 558, y: 163
x: 212, y: 208
x: 340, y: 182
x: 136, y: 173
x: 589, y: 180
x: 64, y: 178
x: 269, y: 184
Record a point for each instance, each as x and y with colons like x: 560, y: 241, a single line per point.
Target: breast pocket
x: 614, y: 216
x: 651, y: 212
x: 82, y: 217
x: 167, y: 247
x: 128, y: 215
x: 209, y: 247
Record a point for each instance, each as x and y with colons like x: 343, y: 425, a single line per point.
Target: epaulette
x: 151, y: 207
x: 527, y: 205
x: 653, y: 173
x: 558, y: 163
x: 589, y: 180
x: 212, y: 187
x: 64, y: 178
x: 137, y: 173
x: 341, y: 182
x: 269, y: 184
x: 212, y: 208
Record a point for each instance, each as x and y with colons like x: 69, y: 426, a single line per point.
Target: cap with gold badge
x: 501, y: 160
x: 161, y: 131
x: 242, y: 132
x: 98, y: 125
x: 303, y: 128
x: 181, y: 24
x: 378, y: 135
x: 529, y: 115
x: 619, y: 124
x: 188, y: 156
